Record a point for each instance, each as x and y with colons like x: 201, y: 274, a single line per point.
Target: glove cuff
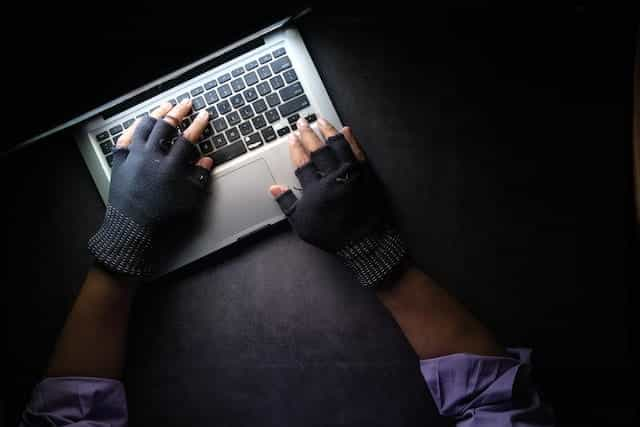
x: 375, y: 257
x: 122, y: 245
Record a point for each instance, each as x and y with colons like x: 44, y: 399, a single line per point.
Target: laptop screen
x: 77, y: 64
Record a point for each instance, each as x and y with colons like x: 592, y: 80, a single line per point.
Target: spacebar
x: 227, y: 153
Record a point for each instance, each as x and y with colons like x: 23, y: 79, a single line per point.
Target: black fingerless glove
x: 343, y: 211
x: 152, y: 181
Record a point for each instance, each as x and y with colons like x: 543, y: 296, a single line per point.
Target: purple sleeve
x: 486, y: 391
x: 77, y: 401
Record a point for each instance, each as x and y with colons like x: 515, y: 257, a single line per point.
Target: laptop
x: 254, y: 90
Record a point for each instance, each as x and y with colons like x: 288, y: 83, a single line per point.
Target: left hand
x: 152, y: 181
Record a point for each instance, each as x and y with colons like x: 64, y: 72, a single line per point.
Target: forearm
x: 434, y: 322
x: 92, y: 343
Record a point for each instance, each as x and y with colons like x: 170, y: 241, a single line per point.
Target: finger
x: 326, y: 128
x: 287, y: 202
x: 299, y: 155
x: 175, y: 116
x: 341, y: 148
x: 193, y: 132
x: 126, y: 138
x: 353, y: 142
x: 277, y: 190
x: 163, y: 109
x: 310, y: 141
x: 205, y: 162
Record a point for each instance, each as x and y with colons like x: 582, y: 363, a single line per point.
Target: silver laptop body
x: 238, y: 203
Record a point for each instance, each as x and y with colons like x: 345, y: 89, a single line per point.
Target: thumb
x: 277, y: 190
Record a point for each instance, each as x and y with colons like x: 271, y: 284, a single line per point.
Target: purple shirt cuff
x: 486, y: 391
x: 77, y: 401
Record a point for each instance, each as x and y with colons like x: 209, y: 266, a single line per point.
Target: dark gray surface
x: 508, y: 171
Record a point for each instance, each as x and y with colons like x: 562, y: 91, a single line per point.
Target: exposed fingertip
x: 293, y: 139
x: 302, y: 123
x: 277, y: 190
x: 205, y: 162
x: 204, y: 114
x: 185, y: 101
x: 322, y: 121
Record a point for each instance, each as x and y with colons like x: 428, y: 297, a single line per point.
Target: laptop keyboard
x: 245, y: 105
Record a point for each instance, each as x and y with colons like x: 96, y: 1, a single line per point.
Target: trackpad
x: 237, y: 201
x: 241, y: 199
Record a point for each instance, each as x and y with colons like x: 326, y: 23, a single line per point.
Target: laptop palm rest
x: 238, y: 203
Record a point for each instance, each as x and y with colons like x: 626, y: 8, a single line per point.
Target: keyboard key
x: 228, y: 153
x: 253, y: 141
x: 290, y: 76
x: 180, y: 98
x: 294, y: 126
x: 264, y: 72
x: 237, y: 100
x: 213, y: 113
x: 237, y: 85
x: 224, y: 107
x: 219, y: 140
x: 210, y: 85
x: 206, y: 132
x: 115, y: 140
x: 259, y: 122
x: 263, y: 88
x: 224, y: 78
x: 268, y: 134
x: 311, y: 118
x: 293, y: 119
x: 220, y: 124
x: 198, y: 103
x: 237, y: 72
x: 291, y: 91
x: 205, y: 147
x: 233, y: 134
x: 128, y: 123
x: 273, y: 99
x: 250, y: 95
x: 272, y: 115
x: 233, y: 118
x: 110, y: 160
x: 277, y: 82
x: 285, y: 130
x: 211, y: 97
x: 296, y: 104
x: 259, y: 106
x: 224, y: 91
x: 245, y: 128
x: 106, y: 147
x: 246, y: 112
x: 197, y: 91
x: 264, y: 59
x: 251, y: 65
x: 115, y: 130
x: 251, y: 78
x: 278, y: 52
x: 184, y: 124
x: 102, y: 136
x: 280, y: 64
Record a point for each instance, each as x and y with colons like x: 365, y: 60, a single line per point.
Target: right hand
x: 340, y: 201
x: 342, y: 209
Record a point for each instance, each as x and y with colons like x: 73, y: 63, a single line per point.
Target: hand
x: 342, y: 210
x: 152, y: 181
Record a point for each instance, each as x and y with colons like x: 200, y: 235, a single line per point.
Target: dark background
x: 504, y: 140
